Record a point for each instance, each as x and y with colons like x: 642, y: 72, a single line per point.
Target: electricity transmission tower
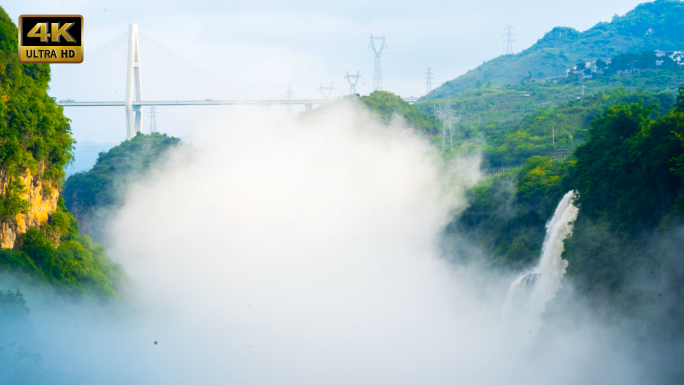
x: 379, y: 46
x: 326, y: 91
x: 352, y: 79
x: 509, y: 39
x: 428, y: 81
x: 289, y: 96
x: 153, y: 120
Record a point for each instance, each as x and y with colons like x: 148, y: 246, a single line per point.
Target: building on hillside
x: 676, y: 56
x: 589, y: 69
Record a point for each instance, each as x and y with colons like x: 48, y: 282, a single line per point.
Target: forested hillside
x: 507, y: 105
x: 620, y: 147
x: 650, y: 26
x: 628, y: 171
x: 558, y: 130
x: 41, y: 240
x: 554, y: 131
x: 504, y: 223
x: 94, y: 195
x: 629, y: 234
x: 386, y: 104
x: 625, y: 252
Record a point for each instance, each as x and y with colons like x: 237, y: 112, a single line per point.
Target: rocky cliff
x: 42, y: 201
x: 35, y: 144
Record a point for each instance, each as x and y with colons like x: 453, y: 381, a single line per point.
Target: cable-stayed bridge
x: 116, y: 69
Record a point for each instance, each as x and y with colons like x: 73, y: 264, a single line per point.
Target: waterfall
x: 529, y: 293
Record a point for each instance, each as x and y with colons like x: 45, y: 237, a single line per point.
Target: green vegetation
x: 18, y: 365
x: 497, y: 107
x: 504, y: 224
x: 626, y: 247
x: 621, y: 147
x: 629, y: 173
x: 35, y: 136
x: 537, y: 114
x: 13, y: 307
x: 647, y: 60
x: 543, y: 132
x: 650, y: 26
x: 92, y: 196
x: 34, y: 133
x: 630, y: 182
x: 558, y: 130
x: 625, y: 253
x: 386, y: 105
x: 59, y: 255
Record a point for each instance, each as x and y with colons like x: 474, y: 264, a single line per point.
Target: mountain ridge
x: 649, y: 26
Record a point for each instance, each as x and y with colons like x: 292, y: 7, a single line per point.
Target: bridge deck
x: 207, y: 102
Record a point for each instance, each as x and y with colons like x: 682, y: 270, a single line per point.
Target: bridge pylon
x: 134, y: 114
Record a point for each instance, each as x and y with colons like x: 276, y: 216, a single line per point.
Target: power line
x: 378, y: 50
x: 509, y: 39
x: 437, y: 50
x: 352, y: 79
x: 333, y: 75
x: 428, y: 81
x: 315, y: 73
x: 431, y: 57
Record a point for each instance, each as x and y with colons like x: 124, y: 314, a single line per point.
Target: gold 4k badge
x: 51, y: 39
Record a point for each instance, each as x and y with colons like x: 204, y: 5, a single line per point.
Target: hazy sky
x: 261, y: 47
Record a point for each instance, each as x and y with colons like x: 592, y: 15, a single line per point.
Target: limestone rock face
x: 42, y: 199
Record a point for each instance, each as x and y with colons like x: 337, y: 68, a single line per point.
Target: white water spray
x: 529, y: 294
x: 303, y: 253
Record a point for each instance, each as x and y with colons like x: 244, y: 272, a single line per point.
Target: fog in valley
x: 307, y: 251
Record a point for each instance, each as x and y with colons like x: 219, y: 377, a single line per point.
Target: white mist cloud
x: 305, y: 252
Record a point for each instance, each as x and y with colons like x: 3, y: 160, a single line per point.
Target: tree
x: 624, y: 172
x: 35, y: 134
x: 600, y: 65
x: 94, y: 195
x: 386, y: 104
x: 13, y: 307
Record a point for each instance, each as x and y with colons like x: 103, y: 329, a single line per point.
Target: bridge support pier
x: 134, y: 114
x: 307, y: 107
